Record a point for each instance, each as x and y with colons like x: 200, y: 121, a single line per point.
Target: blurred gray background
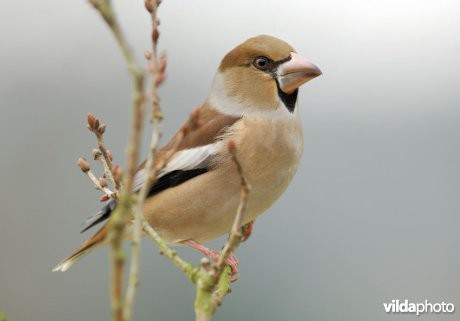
x: 372, y: 215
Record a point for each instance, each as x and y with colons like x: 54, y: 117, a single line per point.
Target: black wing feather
x: 175, y: 178
x: 169, y: 180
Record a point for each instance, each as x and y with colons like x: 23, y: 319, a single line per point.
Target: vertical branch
x: 213, y: 279
x: 156, y: 65
x: 141, y: 224
x: 236, y: 235
x: 156, y: 70
x: 121, y: 214
x: 214, y: 282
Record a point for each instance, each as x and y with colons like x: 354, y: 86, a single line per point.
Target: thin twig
x: 106, y: 159
x: 98, y: 186
x: 86, y: 169
x: 156, y: 65
x: 235, y: 237
x: 188, y: 269
x: 140, y: 223
x: 214, y: 281
x: 139, y: 220
x: 121, y: 214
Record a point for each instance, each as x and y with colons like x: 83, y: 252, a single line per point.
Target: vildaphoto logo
x: 404, y: 306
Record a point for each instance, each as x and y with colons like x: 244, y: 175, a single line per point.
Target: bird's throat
x: 289, y: 100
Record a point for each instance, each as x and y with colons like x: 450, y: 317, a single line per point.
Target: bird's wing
x: 192, y: 158
x: 183, y: 161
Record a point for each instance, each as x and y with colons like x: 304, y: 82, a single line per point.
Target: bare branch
x: 121, y: 214
x: 139, y: 220
x: 236, y: 234
x: 212, y: 279
x: 188, y: 269
x: 214, y: 282
x: 86, y: 169
x: 106, y: 159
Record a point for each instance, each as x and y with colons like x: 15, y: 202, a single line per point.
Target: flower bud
x: 102, y: 128
x: 83, y: 164
x: 90, y: 119
x: 162, y: 65
x: 155, y: 35
x: 96, y: 154
x: 96, y: 123
x: 148, y: 5
x: 159, y: 79
x: 102, y: 182
x: 109, y: 155
x: 147, y: 55
x: 117, y: 173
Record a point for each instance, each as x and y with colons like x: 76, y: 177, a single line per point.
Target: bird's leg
x: 232, y: 261
x: 247, y: 230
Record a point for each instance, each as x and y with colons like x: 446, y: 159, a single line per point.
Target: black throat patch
x: 289, y: 100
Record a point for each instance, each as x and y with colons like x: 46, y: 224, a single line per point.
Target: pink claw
x: 232, y: 261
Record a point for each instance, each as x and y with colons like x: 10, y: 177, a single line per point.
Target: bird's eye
x: 261, y: 63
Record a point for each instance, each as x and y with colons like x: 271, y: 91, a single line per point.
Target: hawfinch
x: 253, y: 101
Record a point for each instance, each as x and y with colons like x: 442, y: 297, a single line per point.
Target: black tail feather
x: 99, y: 217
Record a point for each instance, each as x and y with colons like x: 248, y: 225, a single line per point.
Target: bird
x: 253, y: 101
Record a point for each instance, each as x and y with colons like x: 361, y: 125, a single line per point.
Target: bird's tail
x: 95, y: 241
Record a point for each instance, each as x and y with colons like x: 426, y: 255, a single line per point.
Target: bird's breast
x: 269, y: 150
x: 204, y: 207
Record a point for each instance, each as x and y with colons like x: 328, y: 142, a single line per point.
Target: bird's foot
x: 247, y: 230
x: 232, y: 261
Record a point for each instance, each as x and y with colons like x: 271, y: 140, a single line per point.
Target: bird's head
x: 261, y: 74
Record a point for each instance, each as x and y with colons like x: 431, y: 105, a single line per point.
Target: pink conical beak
x: 295, y: 72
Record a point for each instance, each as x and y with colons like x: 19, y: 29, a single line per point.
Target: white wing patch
x: 139, y: 179
x: 190, y: 158
x: 186, y: 159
